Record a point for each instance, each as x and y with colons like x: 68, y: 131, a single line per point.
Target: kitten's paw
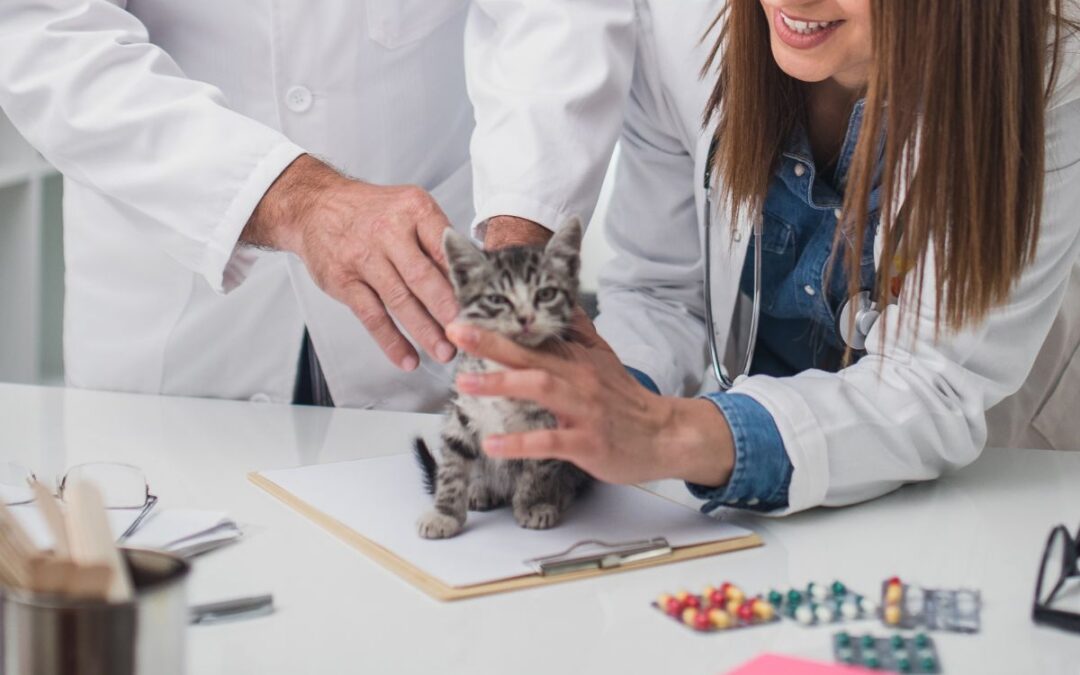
x: 435, y: 525
x: 538, y: 517
x: 483, y: 499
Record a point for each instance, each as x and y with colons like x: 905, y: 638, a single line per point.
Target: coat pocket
x: 396, y: 23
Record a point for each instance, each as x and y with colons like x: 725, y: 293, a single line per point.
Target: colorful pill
x: 735, y: 593
x: 701, y: 621
x: 893, y: 593
x: 794, y: 597
x: 872, y: 661
x: 688, y: 616
x: 716, y: 598
x: 928, y: 664
x: 662, y: 601
x: 707, y: 592
x: 746, y: 612
x: 693, y: 601
x: 732, y: 607
x: 892, y: 615
x: 867, y: 640
x: 674, y: 607
x: 903, y: 664
x: 719, y: 618
x: 776, y: 598
x: 764, y: 610
x: 897, y: 641
x: 921, y: 640
x: 838, y: 588
x: 681, y: 596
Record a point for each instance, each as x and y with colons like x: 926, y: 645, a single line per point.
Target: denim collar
x: 820, y: 194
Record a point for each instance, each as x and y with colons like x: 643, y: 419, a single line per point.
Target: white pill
x: 819, y: 591
x: 824, y: 614
x: 804, y: 615
x: 849, y: 609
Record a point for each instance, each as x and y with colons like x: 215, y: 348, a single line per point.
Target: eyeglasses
x: 1059, y: 563
x: 123, y: 486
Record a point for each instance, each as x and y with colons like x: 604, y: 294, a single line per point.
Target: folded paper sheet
x: 380, y: 500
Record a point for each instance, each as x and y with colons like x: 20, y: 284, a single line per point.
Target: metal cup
x: 51, y: 635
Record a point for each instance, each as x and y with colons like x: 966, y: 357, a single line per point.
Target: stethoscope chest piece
x: 854, y: 332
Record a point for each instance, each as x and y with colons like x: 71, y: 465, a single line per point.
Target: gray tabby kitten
x: 527, y: 294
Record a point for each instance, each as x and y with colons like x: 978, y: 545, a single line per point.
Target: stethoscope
x: 853, y: 333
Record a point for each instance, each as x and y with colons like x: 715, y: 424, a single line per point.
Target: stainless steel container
x: 48, y: 635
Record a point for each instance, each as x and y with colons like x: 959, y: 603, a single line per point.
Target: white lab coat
x: 169, y: 121
x: 908, y: 412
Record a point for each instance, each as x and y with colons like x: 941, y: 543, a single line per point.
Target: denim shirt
x: 798, y: 323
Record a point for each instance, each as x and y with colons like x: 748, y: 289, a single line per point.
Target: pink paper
x: 774, y: 664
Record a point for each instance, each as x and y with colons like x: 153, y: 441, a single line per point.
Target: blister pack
x: 909, y: 606
x: 718, y: 608
x: 896, y: 653
x: 822, y: 604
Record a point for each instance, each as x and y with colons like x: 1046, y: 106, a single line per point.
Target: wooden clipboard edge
x: 440, y: 591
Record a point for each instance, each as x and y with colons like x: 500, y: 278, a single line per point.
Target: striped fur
x: 527, y: 294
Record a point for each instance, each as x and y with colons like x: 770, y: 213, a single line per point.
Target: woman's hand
x: 608, y: 424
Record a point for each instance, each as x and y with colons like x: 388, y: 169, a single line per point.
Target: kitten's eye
x: 497, y: 299
x: 546, y: 294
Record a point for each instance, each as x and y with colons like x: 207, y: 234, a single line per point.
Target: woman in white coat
x: 960, y: 205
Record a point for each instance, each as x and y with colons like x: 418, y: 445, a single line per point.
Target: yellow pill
x: 681, y: 596
x: 707, y: 593
x: 763, y: 610
x: 892, y: 615
x: 688, y: 616
x: 734, y: 593
x: 893, y: 593
x: 662, y: 601
x: 732, y: 607
x: 719, y: 618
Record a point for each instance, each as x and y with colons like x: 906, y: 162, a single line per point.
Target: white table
x: 340, y: 612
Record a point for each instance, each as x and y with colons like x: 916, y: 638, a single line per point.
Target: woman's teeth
x: 806, y: 27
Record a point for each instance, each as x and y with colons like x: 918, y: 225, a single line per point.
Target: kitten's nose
x: 525, y: 321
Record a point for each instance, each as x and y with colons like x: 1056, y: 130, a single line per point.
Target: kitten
x: 527, y: 294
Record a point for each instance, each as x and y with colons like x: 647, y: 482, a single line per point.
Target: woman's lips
x: 802, y: 33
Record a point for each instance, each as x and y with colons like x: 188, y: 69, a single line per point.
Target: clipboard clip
x: 591, y: 554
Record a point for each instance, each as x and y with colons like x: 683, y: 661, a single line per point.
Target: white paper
x: 382, y: 498
x: 163, y: 529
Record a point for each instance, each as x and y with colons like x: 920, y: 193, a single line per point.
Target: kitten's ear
x: 464, y: 258
x: 564, y: 247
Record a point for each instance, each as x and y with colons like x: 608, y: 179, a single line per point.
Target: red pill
x: 717, y: 599
x: 746, y: 611
x: 693, y: 601
x: 894, y: 581
x: 674, y: 607
x: 724, y: 588
x: 701, y: 621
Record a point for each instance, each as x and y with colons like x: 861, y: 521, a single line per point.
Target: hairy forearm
x: 506, y: 231
x: 279, y: 219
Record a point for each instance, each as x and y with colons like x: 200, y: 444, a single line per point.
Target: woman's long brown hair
x: 965, y: 85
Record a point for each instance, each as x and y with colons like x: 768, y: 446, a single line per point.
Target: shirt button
x: 837, y: 213
x: 809, y: 289
x: 800, y: 170
x: 298, y: 99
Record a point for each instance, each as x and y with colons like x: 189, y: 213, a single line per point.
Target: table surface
x: 338, y: 611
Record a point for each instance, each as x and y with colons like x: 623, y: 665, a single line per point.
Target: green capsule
x: 903, y: 664
x: 872, y: 661
x: 928, y: 664
x: 897, y: 641
x: 843, y: 639
x: 867, y: 641
x: 838, y: 588
x: 775, y: 598
x: 794, y: 597
x: 921, y: 640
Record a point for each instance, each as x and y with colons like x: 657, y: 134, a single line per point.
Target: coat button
x: 298, y: 99
x: 809, y: 289
x: 838, y: 213
x: 738, y: 237
x: 260, y: 398
x: 800, y: 170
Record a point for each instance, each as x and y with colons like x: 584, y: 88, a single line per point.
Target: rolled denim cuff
x: 762, y: 473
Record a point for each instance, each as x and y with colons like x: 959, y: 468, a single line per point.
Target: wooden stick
x: 91, y: 538
x: 54, y: 518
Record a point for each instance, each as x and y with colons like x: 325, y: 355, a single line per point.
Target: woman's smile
x: 801, y: 33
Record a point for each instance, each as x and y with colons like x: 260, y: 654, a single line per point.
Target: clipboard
x: 584, y: 559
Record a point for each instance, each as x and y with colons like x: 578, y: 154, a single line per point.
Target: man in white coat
x: 203, y: 240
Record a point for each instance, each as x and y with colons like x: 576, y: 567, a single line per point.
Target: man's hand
x: 376, y: 249
x: 505, y: 231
